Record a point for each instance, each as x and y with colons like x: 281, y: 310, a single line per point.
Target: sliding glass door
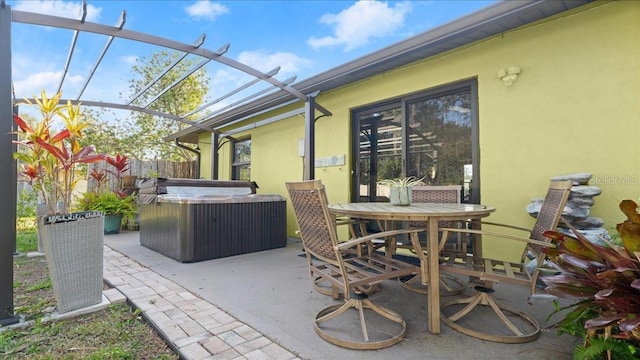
x: 430, y: 135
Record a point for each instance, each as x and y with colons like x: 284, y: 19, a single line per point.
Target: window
x: 432, y: 134
x: 241, y: 164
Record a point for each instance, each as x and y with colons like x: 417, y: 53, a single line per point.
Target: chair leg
x: 449, y: 285
x: 360, y: 303
x: 483, y: 297
x: 329, y: 290
x: 320, y: 285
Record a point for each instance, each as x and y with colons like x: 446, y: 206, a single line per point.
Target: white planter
x: 74, y: 251
x: 400, y: 195
x: 42, y: 210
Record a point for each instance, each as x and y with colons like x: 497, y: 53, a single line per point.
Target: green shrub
x: 27, y: 202
x: 109, y: 203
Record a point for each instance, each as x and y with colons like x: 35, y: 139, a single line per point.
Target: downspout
x: 178, y: 144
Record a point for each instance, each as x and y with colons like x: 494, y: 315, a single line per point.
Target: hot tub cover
x: 213, y: 198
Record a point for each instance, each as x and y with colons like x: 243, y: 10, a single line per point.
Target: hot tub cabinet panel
x: 198, y: 228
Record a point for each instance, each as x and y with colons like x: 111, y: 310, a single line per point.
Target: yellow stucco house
x: 498, y: 101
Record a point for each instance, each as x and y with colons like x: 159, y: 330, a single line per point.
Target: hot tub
x: 195, y: 225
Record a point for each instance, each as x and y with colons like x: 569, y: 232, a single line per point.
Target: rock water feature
x: 578, y: 207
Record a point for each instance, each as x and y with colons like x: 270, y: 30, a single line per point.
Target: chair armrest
x: 347, y: 221
x: 355, y: 225
x: 370, y: 237
x: 446, y: 231
x: 499, y: 225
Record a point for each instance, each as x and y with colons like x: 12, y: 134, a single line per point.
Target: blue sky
x: 305, y: 38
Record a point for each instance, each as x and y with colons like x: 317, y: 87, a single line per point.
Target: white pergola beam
x: 229, y: 94
x: 60, y: 22
x: 197, y: 44
x: 119, y: 25
x: 74, y: 40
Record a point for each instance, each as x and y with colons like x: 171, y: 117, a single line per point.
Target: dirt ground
x: 116, y: 332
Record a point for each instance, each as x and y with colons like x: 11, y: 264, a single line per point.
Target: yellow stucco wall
x: 574, y: 108
x: 204, y: 142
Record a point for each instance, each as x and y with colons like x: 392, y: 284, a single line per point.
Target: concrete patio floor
x: 271, y: 292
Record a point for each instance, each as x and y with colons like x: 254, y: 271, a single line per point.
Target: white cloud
x: 68, y: 9
x: 290, y: 63
x: 205, y: 9
x: 129, y: 60
x: 358, y: 24
x: 48, y: 80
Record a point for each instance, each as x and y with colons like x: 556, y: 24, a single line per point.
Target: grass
x: 26, y: 241
x: 118, y: 332
x: 114, y: 333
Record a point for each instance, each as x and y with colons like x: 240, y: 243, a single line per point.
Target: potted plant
x: 400, y: 189
x: 116, y: 205
x: 49, y: 155
x: 603, y: 285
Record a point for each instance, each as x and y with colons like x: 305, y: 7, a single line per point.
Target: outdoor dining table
x: 431, y: 214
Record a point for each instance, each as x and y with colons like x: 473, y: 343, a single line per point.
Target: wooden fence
x: 144, y: 169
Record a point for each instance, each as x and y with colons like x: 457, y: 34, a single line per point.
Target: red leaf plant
x: 602, y: 280
x: 49, y: 159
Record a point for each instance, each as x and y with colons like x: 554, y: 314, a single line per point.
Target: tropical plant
x: 49, y: 159
x: 102, y: 198
x: 110, y: 203
x: 604, y: 283
x: 402, y: 182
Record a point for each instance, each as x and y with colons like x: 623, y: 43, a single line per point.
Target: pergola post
x: 7, y: 173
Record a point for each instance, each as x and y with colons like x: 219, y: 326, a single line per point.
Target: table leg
x: 433, y: 259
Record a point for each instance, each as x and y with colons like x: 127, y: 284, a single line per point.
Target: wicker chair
x: 449, y: 285
x: 520, y: 327
x: 356, y: 228
x: 344, y: 266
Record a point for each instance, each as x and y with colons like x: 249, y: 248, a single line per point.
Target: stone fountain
x: 578, y: 207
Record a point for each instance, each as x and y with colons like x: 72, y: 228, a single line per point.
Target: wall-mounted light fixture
x: 509, y: 75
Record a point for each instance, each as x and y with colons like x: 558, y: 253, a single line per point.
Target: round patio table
x: 431, y: 214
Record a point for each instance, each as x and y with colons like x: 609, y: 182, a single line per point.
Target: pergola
x: 77, y: 26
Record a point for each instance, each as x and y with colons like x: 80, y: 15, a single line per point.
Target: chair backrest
x: 551, y: 209
x: 547, y: 219
x: 317, y: 228
x: 436, y: 194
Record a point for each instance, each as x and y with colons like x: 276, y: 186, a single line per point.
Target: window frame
x: 470, y: 85
x: 236, y: 165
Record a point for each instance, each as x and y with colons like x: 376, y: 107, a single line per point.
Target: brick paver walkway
x: 197, y: 329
